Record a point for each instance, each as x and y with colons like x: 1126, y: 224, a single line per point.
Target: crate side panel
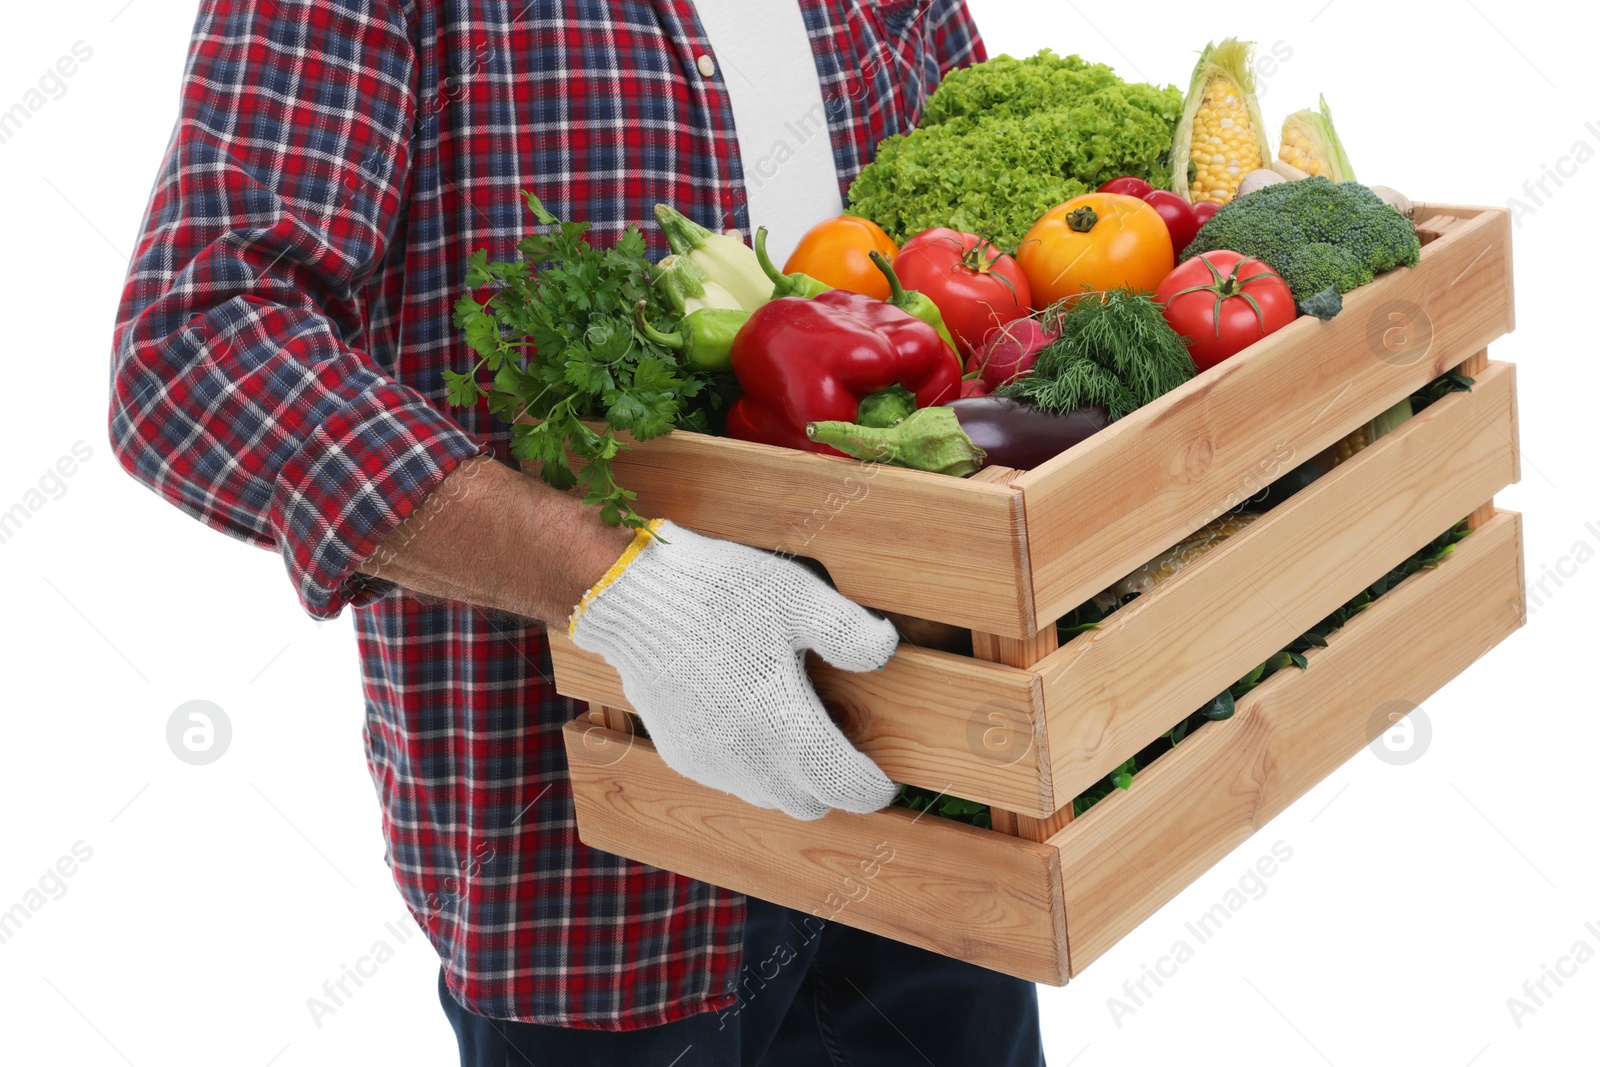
x: 1135, y: 851
x: 927, y: 545
x: 1110, y: 691
x: 942, y: 721
x: 1140, y: 485
x: 943, y: 886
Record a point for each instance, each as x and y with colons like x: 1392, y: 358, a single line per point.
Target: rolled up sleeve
x: 239, y: 391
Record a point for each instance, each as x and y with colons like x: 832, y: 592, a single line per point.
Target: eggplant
x: 1015, y: 433
x: 965, y: 435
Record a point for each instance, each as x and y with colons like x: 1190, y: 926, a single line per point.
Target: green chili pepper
x: 913, y: 303
x: 705, y: 337
x: 797, y: 284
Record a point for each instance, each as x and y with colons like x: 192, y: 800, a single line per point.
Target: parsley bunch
x: 559, y: 341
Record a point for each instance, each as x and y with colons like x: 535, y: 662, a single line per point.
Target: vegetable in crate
x: 834, y: 252
x: 1174, y: 559
x: 1310, y: 143
x: 975, y: 286
x: 913, y: 302
x: 1095, y: 242
x: 1000, y: 142
x: 1222, y: 303
x: 1221, y: 136
x: 1319, y: 235
x: 965, y: 436
x: 1010, y: 351
x: 703, y: 337
x: 725, y: 262
x: 1115, y: 350
x: 561, y: 345
x: 839, y: 355
x: 796, y: 283
x: 1183, y: 219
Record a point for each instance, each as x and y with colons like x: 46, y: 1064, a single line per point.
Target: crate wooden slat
x: 954, y: 541
x: 1135, y: 851
x: 1044, y: 911
x: 941, y: 885
x: 949, y: 722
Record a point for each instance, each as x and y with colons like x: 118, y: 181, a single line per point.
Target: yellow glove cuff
x: 642, y: 537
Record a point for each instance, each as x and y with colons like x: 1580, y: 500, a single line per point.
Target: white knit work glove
x: 709, y: 637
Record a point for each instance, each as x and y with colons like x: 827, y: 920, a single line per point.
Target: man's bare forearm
x: 492, y: 536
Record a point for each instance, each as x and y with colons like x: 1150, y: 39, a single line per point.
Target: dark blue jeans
x: 846, y: 999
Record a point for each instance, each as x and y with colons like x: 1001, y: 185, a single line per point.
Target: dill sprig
x: 1115, y: 349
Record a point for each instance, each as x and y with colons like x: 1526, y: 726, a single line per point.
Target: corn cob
x: 1362, y: 436
x: 1311, y: 143
x: 1174, y: 559
x: 1221, y: 132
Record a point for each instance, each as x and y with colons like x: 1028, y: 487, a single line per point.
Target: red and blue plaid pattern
x: 277, y: 375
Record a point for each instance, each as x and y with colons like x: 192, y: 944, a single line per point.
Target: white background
x: 219, y: 898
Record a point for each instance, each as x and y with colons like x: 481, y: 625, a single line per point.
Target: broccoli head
x: 1315, y: 233
x: 1317, y: 265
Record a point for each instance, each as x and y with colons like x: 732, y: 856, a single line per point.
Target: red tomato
x: 1221, y: 303
x: 974, y: 285
x: 1204, y: 210
x: 1178, y: 214
x: 1127, y: 187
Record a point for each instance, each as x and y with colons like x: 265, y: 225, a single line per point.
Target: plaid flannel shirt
x: 276, y: 374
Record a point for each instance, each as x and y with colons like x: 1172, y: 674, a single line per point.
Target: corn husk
x: 1231, y: 61
x: 1310, y: 142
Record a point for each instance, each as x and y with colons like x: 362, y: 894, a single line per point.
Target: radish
x: 1011, y: 349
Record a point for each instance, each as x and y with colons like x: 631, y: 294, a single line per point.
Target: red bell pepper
x: 838, y: 356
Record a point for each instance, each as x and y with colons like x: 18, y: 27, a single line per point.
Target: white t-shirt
x: 771, y: 77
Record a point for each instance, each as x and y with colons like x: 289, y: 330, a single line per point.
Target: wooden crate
x: 1026, y: 726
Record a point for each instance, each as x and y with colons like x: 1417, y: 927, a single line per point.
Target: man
x: 278, y: 359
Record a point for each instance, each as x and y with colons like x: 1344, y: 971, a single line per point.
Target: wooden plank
x: 1139, y: 486
x: 945, y: 722
x: 941, y: 885
x: 1434, y: 228
x: 1110, y: 691
x: 1474, y: 364
x: 1014, y: 652
x: 997, y: 475
x: 1135, y: 851
x: 949, y: 549
x: 1022, y: 653
x: 1043, y: 829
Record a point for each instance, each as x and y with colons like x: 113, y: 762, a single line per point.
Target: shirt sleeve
x: 237, y: 390
x: 955, y: 36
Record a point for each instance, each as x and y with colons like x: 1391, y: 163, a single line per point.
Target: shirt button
x: 707, y: 65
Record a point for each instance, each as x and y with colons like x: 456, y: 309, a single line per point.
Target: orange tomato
x: 1095, y: 241
x: 835, y: 252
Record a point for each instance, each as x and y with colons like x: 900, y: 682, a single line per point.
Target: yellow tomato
x: 1096, y: 241
x: 835, y: 252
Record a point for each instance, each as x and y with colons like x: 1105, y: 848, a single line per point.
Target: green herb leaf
x: 559, y: 340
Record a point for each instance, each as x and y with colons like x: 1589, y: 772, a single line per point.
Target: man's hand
x: 710, y: 637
